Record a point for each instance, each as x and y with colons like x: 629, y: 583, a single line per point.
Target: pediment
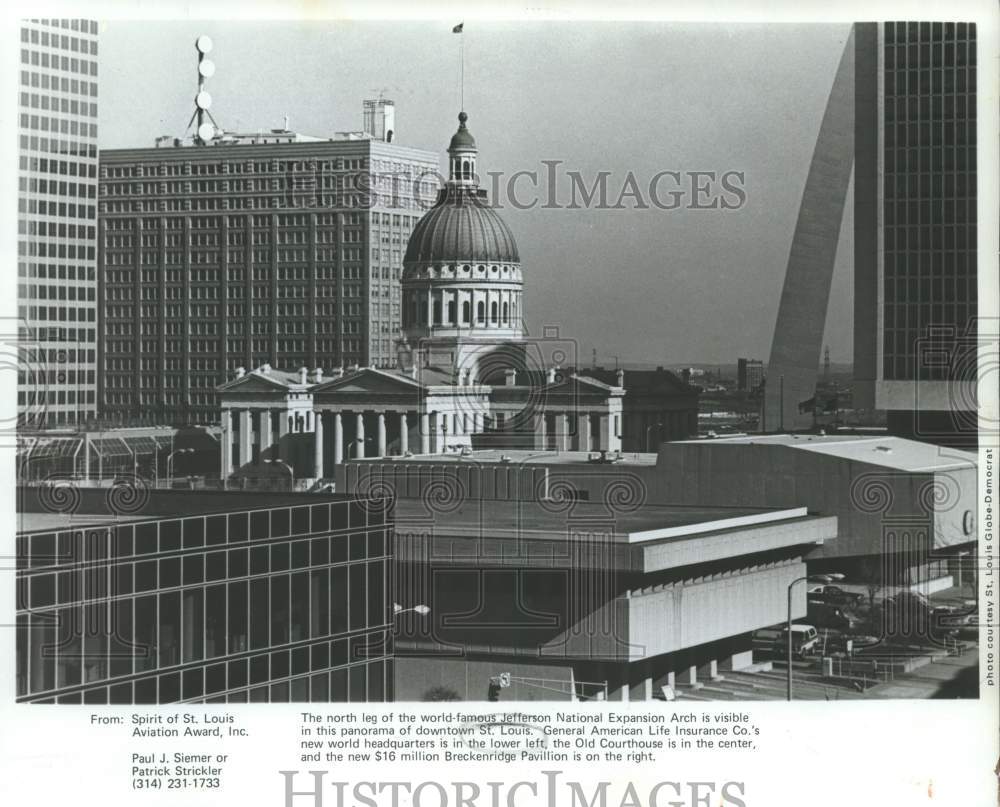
x: 253, y: 382
x: 367, y: 381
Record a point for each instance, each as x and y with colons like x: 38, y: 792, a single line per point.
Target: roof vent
x: 884, y: 449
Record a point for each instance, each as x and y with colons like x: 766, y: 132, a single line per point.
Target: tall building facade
x: 749, y: 374
x: 259, y: 598
x: 915, y: 226
x: 57, y: 222
x: 269, y: 248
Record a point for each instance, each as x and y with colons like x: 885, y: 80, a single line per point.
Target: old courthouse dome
x: 462, y: 227
x: 461, y: 273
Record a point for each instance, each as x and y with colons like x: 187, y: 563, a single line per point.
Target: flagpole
x: 461, y: 37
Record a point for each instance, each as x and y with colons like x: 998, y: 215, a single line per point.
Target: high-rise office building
x: 749, y: 374
x: 268, y: 248
x: 57, y: 222
x: 915, y: 226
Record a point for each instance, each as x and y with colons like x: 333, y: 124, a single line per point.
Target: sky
x: 643, y: 285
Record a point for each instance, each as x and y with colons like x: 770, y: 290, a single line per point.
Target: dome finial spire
x: 462, y: 118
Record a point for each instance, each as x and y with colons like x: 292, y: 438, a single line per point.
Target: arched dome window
x: 437, y: 312
x: 451, y: 312
x: 481, y: 311
x: 493, y: 312
x: 466, y: 312
x: 506, y: 314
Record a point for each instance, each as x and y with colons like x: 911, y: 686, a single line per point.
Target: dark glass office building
x: 279, y: 603
x: 915, y: 225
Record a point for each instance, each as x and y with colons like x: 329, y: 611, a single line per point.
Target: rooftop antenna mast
x: 202, y: 100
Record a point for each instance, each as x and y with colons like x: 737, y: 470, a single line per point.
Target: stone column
x: 318, y: 445
x: 264, y: 430
x: 381, y: 434
x: 359, y: 435
x: 583, y: 429
x: 338, y: 439
x: 404, y: 434
x: 226, y: 445
x: 542, y: 431
x: 562, y: 432
x: 283, y: 436
x: 605, y: 431
x: 243, y: 454
x: 425, y: 433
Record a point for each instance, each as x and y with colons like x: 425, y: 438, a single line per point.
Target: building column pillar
x: 425, y: 433
x: 338, y: 439
x: 359, y: 435
x: 226, y: 445
x: 264, y: 429
x: 583, y: 427
x: 243, y: 452
x: 404, y: 434
x: 318, y: 445
x: 562, y: 431
x: 542, y: 431
x: 604, y: 424
x: 381, y: 435
x: 283, y: 438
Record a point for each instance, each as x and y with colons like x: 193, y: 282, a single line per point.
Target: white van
x: 804, y: 638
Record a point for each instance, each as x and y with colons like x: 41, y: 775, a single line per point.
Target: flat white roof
x: 890, y: 452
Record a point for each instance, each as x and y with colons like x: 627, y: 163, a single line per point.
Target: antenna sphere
x: 203, y: 100
x: 203, y: 43
x: 206, y: 132
x: 206, y: 67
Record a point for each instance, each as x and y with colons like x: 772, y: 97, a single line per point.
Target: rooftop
x: 889, y: 452
x: 38, y: 522
x: 547, y: 518
x: 526, y: 457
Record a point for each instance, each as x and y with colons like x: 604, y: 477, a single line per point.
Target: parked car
x: 827, y: 615
x: 835, y: 595
x: 913, y: 616
x: 804, y: 639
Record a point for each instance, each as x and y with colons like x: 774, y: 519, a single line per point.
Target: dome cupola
x: 462, y: 271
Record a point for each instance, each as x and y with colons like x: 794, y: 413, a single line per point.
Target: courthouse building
x: 465, y: 377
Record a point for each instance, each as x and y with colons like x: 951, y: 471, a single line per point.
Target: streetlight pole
x: 170, y: 459
x: 821, y: 578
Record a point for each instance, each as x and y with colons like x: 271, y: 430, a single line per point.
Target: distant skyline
x: 653, y: 286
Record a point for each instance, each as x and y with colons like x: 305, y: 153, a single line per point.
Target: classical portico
x: 303, y: 424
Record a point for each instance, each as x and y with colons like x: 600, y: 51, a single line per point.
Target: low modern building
x: 129, y: 596
x: 572, y: 595
x: 153, y: 454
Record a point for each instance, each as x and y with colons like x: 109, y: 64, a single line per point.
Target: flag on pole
x: 458, y: 28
